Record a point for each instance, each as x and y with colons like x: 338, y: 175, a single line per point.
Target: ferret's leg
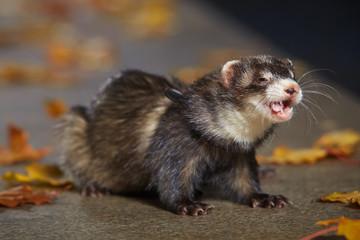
x: 241, y: 184
x: 179, y: 189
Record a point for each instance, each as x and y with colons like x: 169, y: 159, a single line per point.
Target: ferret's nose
x: 292, y: 90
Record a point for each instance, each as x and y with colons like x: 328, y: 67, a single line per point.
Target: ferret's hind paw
x: 269, y: 201
x: 193, y: 208
x: 92, y: 190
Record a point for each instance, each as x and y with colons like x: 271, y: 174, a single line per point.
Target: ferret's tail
x: 71, y: 133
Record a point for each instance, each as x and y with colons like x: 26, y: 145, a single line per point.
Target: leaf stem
x: 319, y: 233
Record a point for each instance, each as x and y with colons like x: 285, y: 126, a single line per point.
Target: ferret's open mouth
x: 281, y: 110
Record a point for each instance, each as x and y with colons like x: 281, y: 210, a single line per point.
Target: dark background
x: 326, y: 34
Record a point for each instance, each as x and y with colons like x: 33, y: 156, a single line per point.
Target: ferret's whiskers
x: 316, y: 70
x: 318, y: 85
x: 308, y: 100
x: 320, y: 93
x: 309, y: 112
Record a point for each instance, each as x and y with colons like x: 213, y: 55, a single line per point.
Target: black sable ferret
x: 145, y: 132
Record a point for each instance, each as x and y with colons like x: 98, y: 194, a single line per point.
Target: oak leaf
x: 38, y: 174
x: 19, y: 148
x: 55, y: 108
x: 25, y: 194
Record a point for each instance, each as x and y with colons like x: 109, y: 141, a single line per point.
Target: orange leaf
x: 343, y: 142
x: 25, y: 194
x: 19, y: 148
x: 40, y: 174
x: 284, y: 155
x: 55, y: 108
x: 350, y: 228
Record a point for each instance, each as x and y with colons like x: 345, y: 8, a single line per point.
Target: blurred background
x: 323, y: 33
x: 57, y: 41
x: 65, y: 49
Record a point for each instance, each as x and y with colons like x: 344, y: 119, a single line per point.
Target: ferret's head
x: 266, y: 84
x: 241, y: 101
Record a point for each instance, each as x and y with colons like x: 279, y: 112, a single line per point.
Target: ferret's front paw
x: 193, y: 208
x: 92, y: 190
x: 269, y: 201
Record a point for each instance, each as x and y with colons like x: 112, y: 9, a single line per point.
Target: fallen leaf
x: 38, y: 174
x: 89, y: 54
x: 25, y: 194
x: 339, y: 144
x: 348, y: 198
x: 284, y: 155
x: 350, y: 228
x: 19, y: 148
x: 141, y: 18
x: 24, y: 73
x: 55, y: 108
x: 343, y: 142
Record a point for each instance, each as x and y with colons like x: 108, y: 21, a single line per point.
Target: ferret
x: 144, y: 132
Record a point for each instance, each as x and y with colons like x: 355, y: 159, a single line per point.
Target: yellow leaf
x: 351, y: 197
x: 284, y: 155
x: 42, y: 174
x: 344, y: 142
x: 350, y: 228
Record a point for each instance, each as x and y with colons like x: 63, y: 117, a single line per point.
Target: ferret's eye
x: 262, y: 79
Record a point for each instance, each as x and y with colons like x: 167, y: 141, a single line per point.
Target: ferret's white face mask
x: 281, y: 96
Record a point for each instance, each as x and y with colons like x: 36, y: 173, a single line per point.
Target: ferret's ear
x: 229, y: 70
x: 174, y: 95
x: 288, y: 62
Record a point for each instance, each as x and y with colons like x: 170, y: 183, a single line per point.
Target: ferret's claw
x: 193, y: 209
x: 269, y: 201
x: 92, y: 190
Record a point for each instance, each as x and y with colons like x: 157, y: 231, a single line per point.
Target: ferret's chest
x: 242, y: 128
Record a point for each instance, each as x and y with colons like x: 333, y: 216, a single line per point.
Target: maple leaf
x: 352, y: 198
x: 284, y: 155
x: 350, y: 228
x: 19, y: 148
x: 41, y: 174
x: 25, y: 194
x: 343, y: 142
x: 55, y: 108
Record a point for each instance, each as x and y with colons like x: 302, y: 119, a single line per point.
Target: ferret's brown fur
x: 144, y: 132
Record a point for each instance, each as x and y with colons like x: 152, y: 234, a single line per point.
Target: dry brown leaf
x: 38, y: 174
x: 25, y: 194
x: 19, y: 148
x: 284, y: 155
x: 343, y: 142
x: 55, y: 108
